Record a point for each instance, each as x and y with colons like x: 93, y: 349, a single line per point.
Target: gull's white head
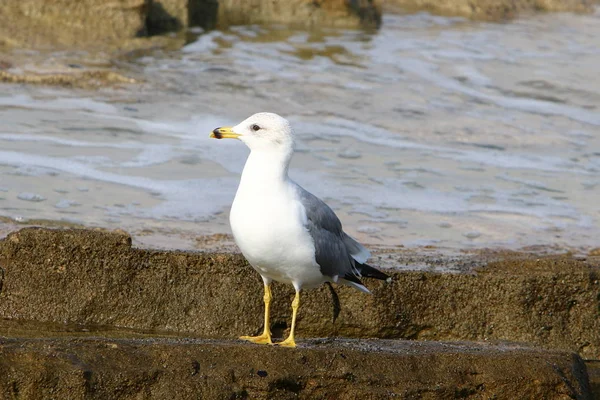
x: 261, y: 131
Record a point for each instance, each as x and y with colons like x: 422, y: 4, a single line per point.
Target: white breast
x: 268, y: 224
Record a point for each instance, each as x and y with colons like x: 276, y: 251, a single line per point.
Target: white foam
x: 57, y: 104
x: 191, y: 199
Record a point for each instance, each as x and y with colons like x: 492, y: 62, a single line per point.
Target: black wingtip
x: 369, y: 272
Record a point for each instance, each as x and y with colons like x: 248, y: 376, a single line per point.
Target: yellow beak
x: 224, y: 132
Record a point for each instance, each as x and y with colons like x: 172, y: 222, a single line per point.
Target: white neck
x: 265, y: 168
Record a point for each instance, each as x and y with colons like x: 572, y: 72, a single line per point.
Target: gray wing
x: 357, y: 250
x: 336, y: 252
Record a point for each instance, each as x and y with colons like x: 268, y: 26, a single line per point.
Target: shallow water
x: 431, y: 131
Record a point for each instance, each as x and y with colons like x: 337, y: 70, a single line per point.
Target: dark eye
x: 255, y: 127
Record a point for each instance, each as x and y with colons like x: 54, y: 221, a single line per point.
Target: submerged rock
x: 33, y: 197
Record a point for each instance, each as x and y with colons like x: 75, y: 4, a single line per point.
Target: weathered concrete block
x: 333, y: 369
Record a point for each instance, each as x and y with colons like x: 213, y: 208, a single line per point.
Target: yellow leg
x: 290, y: 342
x: 265, y: 338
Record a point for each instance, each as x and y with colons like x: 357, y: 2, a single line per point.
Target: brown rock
x: 173, y: 15
x: 96, y: 278
x: 168, y: 15
x: 336, y: 13
x: 99, y: 24
x: 333, y: 369
x: 490, y: 10
x: 593, y: 369
x: 65, y: 23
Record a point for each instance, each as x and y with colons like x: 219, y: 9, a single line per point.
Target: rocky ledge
x: 161, y: 368
x: 95, y: 277
x: 56, y: 284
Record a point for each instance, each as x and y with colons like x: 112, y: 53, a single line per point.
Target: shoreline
x: 218, y: 242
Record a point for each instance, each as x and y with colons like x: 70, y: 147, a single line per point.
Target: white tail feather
x: 358, y: 286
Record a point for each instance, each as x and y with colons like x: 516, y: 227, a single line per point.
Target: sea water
x: 430, y: 131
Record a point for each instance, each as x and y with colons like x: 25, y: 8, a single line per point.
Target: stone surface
x: 160, y: 368
x: 169, y: 15
x: 489, y: 10
x: 121, y: 25
x: 593, y: 369
x: 337, y: 13
x: 65, y: 23
x: 101, y: 24
x: 95, y: 24
x: 96, y: 278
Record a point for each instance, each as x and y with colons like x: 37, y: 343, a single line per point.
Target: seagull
x: 286, y: 233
